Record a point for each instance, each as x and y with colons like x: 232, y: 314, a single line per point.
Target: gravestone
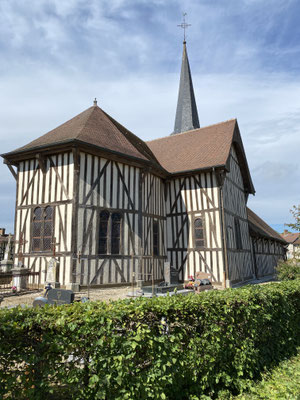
x: 170, y: 283
x: 170, y: 274
x: 203, y: 275
x: 20, y: 278
x: 203, y: 281
x: 40, y: 301
x: 7, y: 249
x: 60, y: 296
x: 52, y: 272
x: 6, y: 264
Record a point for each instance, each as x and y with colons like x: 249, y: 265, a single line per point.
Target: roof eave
x: 257, y: 231
x: 198, y: 170
x: 15, y: 156
x: 237, y: 140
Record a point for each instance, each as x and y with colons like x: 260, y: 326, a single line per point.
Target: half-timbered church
x: 112, y: 208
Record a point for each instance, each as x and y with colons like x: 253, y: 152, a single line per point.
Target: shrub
x: 288, y: 270
x: 162, y: 348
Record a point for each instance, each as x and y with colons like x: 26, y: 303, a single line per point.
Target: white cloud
x: 57, y: 56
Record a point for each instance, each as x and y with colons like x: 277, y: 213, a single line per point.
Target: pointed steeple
x: 186, y: 117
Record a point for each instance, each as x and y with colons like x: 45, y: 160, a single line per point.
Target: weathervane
x: 184, y: 26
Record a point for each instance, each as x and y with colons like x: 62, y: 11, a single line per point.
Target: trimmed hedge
x: 122, y: 350
x: 288, y: 269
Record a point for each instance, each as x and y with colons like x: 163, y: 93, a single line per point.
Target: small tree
x: 290, y: 269
x: 295, y: 211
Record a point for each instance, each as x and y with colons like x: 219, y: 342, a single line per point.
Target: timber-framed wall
x: 41, y: 182
x: 239, y: 258
x: 135, y: 193
x: 188, y: 198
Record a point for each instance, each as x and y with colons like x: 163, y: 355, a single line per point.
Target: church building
x: 112, y: 208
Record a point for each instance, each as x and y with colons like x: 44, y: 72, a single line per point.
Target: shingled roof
x: 291, y: 237
x: 93, y: 127
x: 202, y: 148
x: 261, y: 228
x: 186, y: 113
x: 198, y: 149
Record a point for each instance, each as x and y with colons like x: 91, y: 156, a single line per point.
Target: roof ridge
x: 141, y: 145
x: 193, y: 130
x: 91, y: 109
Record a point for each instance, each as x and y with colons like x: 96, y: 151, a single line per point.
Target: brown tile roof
x: 200, y: 149
x: 93, y: 126
x: 261, y: 228
x: 291, y: 237
x: 193, y: 150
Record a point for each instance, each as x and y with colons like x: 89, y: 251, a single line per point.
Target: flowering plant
x: 14, y: 289
x: 189, y: 285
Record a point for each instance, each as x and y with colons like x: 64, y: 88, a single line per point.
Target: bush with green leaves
x: 282, y: 382
x: 288, y: 270
x: 162, y: 348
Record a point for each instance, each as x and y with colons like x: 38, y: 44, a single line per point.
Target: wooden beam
x: 41, y: 161
x: 13, y: 172
x: 220, y: 177
x: 76, y: 158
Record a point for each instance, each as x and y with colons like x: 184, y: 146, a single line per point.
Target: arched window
x: 115, y: 233
x: 199, y: 233
x: 48, y: 228
x: 103, y: 232
x: 37, y: 229
x: 110, y: 226
x: 42, y: 229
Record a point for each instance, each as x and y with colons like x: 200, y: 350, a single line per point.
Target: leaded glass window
x: 110, y: 227
x: 42, y: 229
x: 199, y: 233
x: 115, y: 233
x: 103, y: 232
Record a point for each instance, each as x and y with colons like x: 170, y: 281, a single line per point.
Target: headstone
x: 203, y: 281
x: 51, y: 272
x: 6, y: 264
x: 40, y: 302
x: 7, y: 249
x: 20, y: 278
x: 203, y: 275
x: 171, y: 274
x: 60, y: 296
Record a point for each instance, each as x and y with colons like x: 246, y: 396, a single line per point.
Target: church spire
x: 186, y: 114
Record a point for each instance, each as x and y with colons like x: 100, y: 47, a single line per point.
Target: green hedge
x: 121, y: 350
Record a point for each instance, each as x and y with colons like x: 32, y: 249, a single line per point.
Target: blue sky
x: 57, y: 55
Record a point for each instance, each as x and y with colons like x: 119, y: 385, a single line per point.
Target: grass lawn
x: 283, y: 382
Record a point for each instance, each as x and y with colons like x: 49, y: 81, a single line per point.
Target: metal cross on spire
x: 184, y: 26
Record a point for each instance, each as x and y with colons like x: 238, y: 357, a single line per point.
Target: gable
x: 203, y: 149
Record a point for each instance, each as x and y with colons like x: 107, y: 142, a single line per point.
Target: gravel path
x: 95, y: 294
